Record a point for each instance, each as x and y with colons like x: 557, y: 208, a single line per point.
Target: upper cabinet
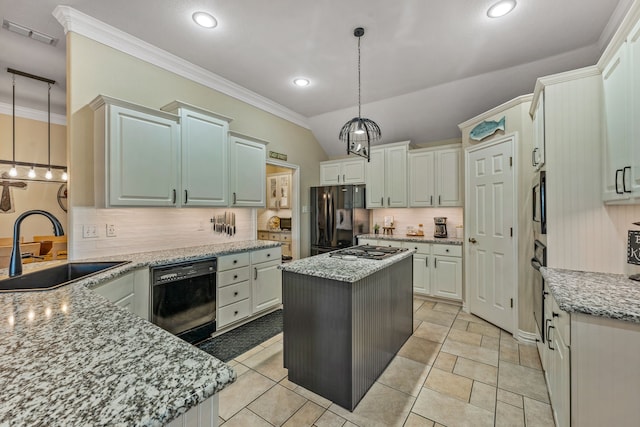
x: 537, y: 155
x: 279, y: 191
x: 386, y: 175
x: 621, y: 87
x: 204, y: 153
x: 247, y: 166
x: 136, y: 155
x: 347, y: 171
x: 434, y: 177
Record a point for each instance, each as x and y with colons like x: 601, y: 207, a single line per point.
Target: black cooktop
x: 367, y: 252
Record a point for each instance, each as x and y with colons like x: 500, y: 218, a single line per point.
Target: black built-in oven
x: 183, y: 298
x: 539, y: 294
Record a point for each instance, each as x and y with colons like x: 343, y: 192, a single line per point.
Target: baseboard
x: 526, y: 337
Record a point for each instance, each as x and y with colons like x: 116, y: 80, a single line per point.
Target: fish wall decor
x: 486, y: 128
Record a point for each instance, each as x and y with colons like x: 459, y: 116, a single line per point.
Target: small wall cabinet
x: 386, y: 175
x: 279, y: 191
x: 247, y: 165
x: 347, y: 171
x: 130, y: 291
x: 435, y: 177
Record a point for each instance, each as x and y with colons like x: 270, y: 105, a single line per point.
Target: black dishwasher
x: 183, y: 298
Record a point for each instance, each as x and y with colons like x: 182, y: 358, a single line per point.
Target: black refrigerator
x: 338, y: 215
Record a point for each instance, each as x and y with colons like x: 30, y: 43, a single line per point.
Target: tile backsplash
x: 148, y: 229
x: 404, y: 218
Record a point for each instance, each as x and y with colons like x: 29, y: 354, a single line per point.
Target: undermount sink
x: 54, y: 277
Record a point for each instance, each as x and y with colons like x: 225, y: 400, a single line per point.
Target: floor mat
x: 243, y: 338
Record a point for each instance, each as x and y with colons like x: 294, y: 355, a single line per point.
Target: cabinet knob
x: 446, y: 250
x: 235, y: 276
x: 235, y: 261
x: 235, y: 313
x: 268, y: 255
x: 235, y: 294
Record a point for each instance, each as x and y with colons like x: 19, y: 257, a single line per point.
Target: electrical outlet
x: 111, y: 230
x: 89, y: 231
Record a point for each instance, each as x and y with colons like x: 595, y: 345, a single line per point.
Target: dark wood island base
x: 340, y: 336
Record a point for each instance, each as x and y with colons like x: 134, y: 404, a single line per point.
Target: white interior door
x: 489, y: 218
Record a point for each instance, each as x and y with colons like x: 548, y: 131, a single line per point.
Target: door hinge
x: 511, y: 302
x: 511, y: 161
x: 511, y: 231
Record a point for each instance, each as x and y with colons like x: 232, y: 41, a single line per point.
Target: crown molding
x: 87, y: 26
x: 500, y: 108
x: 619, y: 37
x: 32, y: 114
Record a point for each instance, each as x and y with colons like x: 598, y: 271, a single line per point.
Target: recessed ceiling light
x: 501, y: 8
x: 205, y: 20
x: 301, y: 82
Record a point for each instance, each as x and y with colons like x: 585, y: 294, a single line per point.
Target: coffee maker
x: 440, y: 229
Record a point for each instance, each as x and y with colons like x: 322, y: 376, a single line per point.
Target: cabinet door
x: 143, y: 159
x: 204, y: 160
x: 395, y: 173
x: 130, y: 291
x: 330, y: 173
x: 375, y: 179
x: 353, y: 171
x: 422, y: 183
x: 421, y: 276
x: 537, y: 157
x: 617, y: 153
x: 247, y: 173
x: 634, y: 59
x: 561, y: 382
x: 446, y: 277
x: 279, y: 191
x: 267, y: 286
x: 448, y: 182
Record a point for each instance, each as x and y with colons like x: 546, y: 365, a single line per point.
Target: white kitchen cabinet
x: 267, y: 279
x: 437, y: 269
x: 446, y: 277
x: 435, y: 177
x: 421, y: 274
x: 279, y: 191
x: 130, y: 291
x: 347, y: 171
x: 205, y: 414
x: 247, y: 166
x: 621, y: 88
x: 204, y: 153
x: 136, y: 154
x: 386, y: 176
x: 537, y: 155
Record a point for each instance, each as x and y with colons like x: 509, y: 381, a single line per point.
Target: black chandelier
x: 359, y: 132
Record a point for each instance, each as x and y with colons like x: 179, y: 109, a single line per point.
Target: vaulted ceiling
x: 426, y: 65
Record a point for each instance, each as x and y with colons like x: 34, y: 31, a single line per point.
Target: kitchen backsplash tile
x: 404, y: 218
x: 145, y: 229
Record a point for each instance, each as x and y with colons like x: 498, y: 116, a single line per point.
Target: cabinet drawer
x: 447, y: 250
x: 263, y: 235
x: 390, y: 243
x: 233, y: 293
x: 421, y: 248
x: 274, y: 236
x: 233, y: 312
x: 371, y: 242
x: 285, y: 237
x: 236, y: 275
x: 264, y: 255
x: 228, y: 262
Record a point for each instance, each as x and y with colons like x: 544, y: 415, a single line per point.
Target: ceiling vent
x: 28, y: 32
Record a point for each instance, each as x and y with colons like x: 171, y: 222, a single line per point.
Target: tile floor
x: 455, y: 370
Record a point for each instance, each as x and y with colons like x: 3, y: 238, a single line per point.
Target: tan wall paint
x: 95, y: 69
x: 31, y: 146
x: 517, y: 120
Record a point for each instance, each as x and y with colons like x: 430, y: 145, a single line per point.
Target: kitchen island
x: 344, y: 321
x: 68, y: 356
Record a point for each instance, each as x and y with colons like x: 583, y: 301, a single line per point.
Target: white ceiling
x: 426, y: 65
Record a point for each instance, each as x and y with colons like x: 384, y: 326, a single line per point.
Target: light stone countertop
x: 599, y: 294
x: 336, y: 268
x: 70, y: 357
x: 421, y: 239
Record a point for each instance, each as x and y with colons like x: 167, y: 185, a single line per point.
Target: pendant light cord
x: 359, y: 113
x: 14, y: 120
x: 49, y: 124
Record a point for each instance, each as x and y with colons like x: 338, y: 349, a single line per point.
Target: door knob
x: 472, y: 240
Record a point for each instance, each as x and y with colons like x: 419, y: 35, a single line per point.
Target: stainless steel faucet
x: 15, y: 263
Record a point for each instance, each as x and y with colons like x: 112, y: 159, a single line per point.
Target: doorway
x: 280, y: 221
x: 489, y: 226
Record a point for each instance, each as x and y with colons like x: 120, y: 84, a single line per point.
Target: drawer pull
x: 268, y: 255
x: 235, y: 276
x: 235, y: 261
x: 446, y: 250
x: 235, y: 313
x: 235, y: 294
x: 255, y: 273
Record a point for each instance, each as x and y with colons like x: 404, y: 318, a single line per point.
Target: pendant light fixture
x: 13, y: 171
x: 48, y: 175
x: 358, y: 132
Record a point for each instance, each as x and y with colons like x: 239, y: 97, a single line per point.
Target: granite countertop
x: 343, y: 270
x: 598, y: 294
x: 422, y: 239
x: 70, y: 357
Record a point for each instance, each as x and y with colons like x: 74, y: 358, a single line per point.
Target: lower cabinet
x: 130, y: 292
x: 204, y: 414
x: 247, y: 283
x: 556, y: 361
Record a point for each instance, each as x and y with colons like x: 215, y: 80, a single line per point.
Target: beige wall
x: 95, y: 69
x: 31, y: 146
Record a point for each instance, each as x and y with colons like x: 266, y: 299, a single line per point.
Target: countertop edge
x: 419, y: 239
